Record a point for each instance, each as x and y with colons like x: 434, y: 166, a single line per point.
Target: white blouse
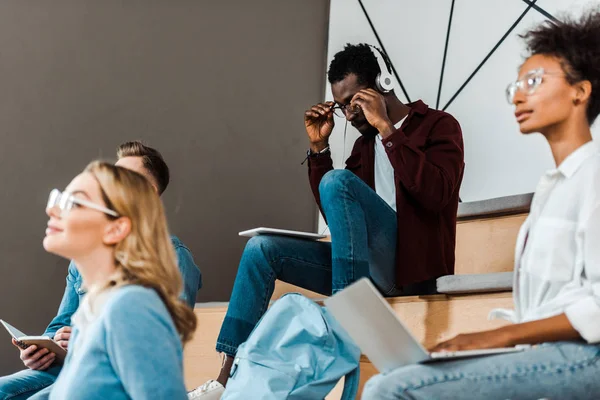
x: 557, y: 258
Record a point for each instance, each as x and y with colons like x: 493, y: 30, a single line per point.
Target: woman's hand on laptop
x: 34, y: 358
x: 62, y: 337
x: 553, y: 329
x: 474, y: 341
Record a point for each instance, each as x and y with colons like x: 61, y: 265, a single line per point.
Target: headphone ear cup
x: 384, y: 83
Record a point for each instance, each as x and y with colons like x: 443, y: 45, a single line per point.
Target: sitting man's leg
x: 24, y: 384
x: 363, y: 235
x: 363, y: 229
x: 267, y: 258
x: 363, y: 232
x: 306, y: 263
x: 302, y: 262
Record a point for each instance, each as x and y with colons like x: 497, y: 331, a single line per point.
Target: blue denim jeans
x: 24, y: 384
x: 363, y: 244
x: 563, y: 370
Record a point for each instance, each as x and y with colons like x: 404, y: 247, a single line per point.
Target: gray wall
x: 219, y: 87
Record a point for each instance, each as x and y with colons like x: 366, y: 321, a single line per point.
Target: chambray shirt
x: 190, y: 273
x: 125, y: 346
x: 557, y: 260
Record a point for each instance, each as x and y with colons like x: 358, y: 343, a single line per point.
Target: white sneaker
x: 211, y: 390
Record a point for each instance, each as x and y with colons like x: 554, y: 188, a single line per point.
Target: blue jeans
x: 26, y: 383
x: 564, y: 370
x: 363, y: 244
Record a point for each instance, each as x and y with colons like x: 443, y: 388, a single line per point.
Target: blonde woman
x: 128, y: 331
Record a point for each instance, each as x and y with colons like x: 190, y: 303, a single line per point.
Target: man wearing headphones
x: 391, y: 212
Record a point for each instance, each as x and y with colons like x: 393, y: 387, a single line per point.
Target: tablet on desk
x: 24, y: 341
x: 281, y: 232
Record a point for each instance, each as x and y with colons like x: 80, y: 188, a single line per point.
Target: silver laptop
x: 381, y: 336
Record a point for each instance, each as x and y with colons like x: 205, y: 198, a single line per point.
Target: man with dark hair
x: 146, y: 160
x: 37, y: 380
x: 391, y: 212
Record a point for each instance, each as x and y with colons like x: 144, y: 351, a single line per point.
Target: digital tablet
x: 281, y: 232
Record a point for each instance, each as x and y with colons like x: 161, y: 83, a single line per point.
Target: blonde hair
x: 146, y: 256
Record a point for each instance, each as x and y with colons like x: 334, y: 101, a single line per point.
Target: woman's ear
x: 583, y: 91
x: 117, y: 230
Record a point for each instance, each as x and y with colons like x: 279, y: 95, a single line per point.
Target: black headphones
x: 383, y: 81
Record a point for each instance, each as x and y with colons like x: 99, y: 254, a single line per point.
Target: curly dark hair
x: 356, y: 59
x: 575, y: 42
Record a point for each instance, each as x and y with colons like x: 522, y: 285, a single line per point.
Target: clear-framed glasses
x: 342, y: 110
x: 528, y: 84
x: 66, y: 201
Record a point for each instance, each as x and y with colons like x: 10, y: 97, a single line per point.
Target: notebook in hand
x: 381, y: 335
x: 24, y: 341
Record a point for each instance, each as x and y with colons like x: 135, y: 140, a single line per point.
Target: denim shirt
x: 127, y: 348
x: 190, y: 274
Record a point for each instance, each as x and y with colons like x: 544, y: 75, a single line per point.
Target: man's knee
x: 261, y: 247
x: 335, y: 181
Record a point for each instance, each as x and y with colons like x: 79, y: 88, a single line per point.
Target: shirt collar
x: 418, y: 107
x: 576, y: 159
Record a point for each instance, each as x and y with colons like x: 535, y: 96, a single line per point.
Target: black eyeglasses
x: 342, y: 110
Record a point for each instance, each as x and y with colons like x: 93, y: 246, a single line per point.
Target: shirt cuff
x: 49, y: 334
x: 396, y: 138
x: 319, y: 159
x: 584, y: 316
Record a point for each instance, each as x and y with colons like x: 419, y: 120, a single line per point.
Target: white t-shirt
x: 384, y: 172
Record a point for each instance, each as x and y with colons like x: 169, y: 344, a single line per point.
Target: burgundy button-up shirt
x: 427, y: 155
